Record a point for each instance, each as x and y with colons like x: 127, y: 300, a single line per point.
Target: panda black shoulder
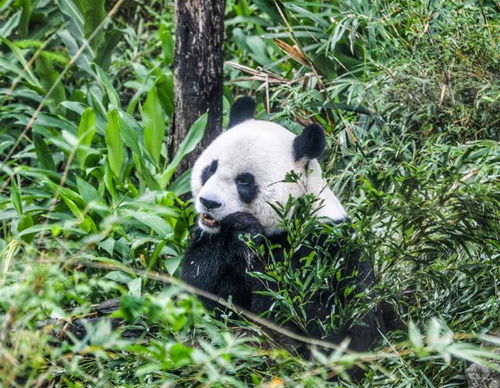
x: 243, y: 109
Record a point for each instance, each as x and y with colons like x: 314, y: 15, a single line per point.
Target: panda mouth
x: 207, y: 220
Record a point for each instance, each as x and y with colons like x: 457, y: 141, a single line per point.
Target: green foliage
x: 408, y: 92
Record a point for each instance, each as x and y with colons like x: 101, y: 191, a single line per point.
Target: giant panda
x: 235, y: 183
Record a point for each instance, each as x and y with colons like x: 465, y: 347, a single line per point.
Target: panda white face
x: 243, y: 170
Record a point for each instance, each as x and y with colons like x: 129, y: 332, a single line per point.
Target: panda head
x: 243, y: 170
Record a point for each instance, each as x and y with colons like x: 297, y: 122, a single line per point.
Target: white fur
x: 264, y: 149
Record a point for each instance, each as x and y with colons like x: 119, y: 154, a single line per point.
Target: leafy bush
x: 89, y: 210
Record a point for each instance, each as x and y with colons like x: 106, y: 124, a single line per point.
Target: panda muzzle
x: 208, y: 220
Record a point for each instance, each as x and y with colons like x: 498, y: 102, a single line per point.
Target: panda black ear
x: 243, y: 109
x: 310, y: 143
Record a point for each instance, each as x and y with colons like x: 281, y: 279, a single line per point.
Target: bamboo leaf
x: 114, y: 143
x: 193, y: 137
x: 88, y: 192
x: 9, y: 25
x: 15, y: 196
x: 154, y: 124
x: 158, y: 224
x: 86, y: 132
x: 43, y: 153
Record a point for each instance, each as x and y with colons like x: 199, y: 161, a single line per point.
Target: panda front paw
x: 242, y: 223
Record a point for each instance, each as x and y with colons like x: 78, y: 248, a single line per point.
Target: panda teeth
x: 208, y: 220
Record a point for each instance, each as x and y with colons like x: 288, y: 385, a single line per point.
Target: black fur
x: 243, y: 109
x: 247, y: 188
x: 310, y: 143
x: 208, y: 171
x: 218, y: 263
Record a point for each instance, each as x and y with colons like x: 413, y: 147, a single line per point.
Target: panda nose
x: 209, y: 204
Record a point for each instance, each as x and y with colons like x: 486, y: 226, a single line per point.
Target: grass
x: 408, y: 92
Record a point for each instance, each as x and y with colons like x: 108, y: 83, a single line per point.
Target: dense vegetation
x: 90, y: 206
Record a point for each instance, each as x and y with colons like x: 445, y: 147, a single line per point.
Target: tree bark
x: 198, y: 62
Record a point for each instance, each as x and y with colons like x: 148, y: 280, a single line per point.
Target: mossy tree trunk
x: 199, y: 37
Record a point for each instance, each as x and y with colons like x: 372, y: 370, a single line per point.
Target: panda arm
x: 218, y: 263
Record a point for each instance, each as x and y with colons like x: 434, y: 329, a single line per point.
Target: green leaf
x: 167, y: 43
x: 49, y: 76
x: 154, y: 124
x: 172, y: 263
x: 118, y: 276
x: 88, y: 192
x: 86, y: 132
x: 105, y: 49
x: 182, y: 184
x: 93, y: 13
x: 165, y: 89
x: 15, y: 196
x: 43, y: 153
x: 135, y: 286
x: 27, y: 6
x: 106, y: 84
x: 83, y: 61
x: 114, y: 143
x: 189, y: 143
x: 154, y: 222
x: 9, y: 25
x: 24, y: 223
x: 180, y: 354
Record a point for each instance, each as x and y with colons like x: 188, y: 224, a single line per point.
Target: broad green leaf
x: 189, y: 143
x: 24, y: 223
x: 43, y: 153
x: 109, y: 183
x: 49, y: 76
x: 83, y: 61
x: 145, y: 174
x: 15, y: 196
x: 259, y: 50
x: 74, y: 16
x: 154, y: 124
x: 27, y: 6
x: 88, y: 192
x: 182, y: 184
x: 131, y: 138
x: 64, y: 191
x: 165, y: 89
x: 135, y: 286
x: 118, y: 276
x: 114, y: 143
x: 93, y: 14
x: 172, y: 263
x: 167, y: 43
x: 105, y: 49
x: 105, y: 82
x: 9, y: 25
x: 86, y: 132
x: 180, y: 354
x: 85, y: 222
x: 38, y: 228
x: 18, y: 71
x: 156, y: 223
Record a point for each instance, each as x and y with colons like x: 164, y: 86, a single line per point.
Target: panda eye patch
x: 208, y: 171
x: 247, y: 189
x: 245, y: 179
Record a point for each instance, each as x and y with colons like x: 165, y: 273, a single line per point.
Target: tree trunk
x: 198, y: 61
